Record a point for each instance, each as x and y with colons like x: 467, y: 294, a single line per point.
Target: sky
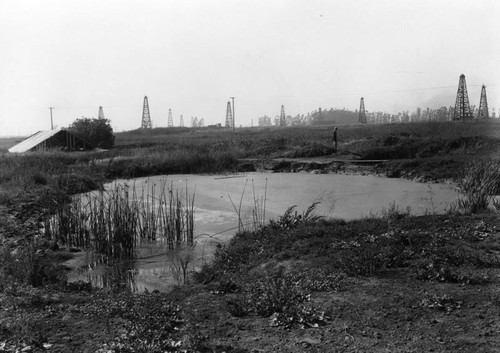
x: 191, y: 56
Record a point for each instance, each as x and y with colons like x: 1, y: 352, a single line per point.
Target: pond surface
x: 219, y: 200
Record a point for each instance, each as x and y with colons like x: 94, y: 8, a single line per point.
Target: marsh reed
x: 114, y: 222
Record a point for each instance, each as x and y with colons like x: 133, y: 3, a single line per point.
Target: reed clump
x: 478, y: 185
x: 114, y: 222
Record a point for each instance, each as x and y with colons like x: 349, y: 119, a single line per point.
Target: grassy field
x: 397, y: 282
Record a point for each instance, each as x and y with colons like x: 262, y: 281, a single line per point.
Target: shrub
x: 97, y: 132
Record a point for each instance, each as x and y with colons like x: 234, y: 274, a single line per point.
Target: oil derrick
x: 146, y: 118
x: 101, y: 113
x: 229, y: 116
x: 483, y: 105
x: 282, y: 116
x: 362, y: 113
x: 170, y: 119
x: 462, y: 107
x: 181, y: 121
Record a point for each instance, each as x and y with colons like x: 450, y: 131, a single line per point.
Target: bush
x: 97, y: 132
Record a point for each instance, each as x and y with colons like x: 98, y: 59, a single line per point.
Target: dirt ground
x: 390, y: 311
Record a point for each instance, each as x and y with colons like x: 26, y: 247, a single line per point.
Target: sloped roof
x: 33, y: 140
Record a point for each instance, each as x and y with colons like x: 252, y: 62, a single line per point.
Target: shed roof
x: 33, y: 140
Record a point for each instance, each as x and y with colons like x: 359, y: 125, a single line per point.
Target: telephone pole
x: 51, y: 121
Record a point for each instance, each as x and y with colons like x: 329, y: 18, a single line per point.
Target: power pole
x: 483, y: 105
x: 232, y: 99
x: 146, y: 118
x: 51, y: 121
x: 362, y: 113
x: 462, y: 107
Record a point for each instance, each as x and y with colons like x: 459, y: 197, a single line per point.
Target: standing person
x: 335, y: 140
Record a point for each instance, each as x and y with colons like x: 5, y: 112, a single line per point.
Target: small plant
x: 291, y: 219
x: 181, y: 267
x: 441, y: 303
x: 393, y: 213
x: 279, y: 297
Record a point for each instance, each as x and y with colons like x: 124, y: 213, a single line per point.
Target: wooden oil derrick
x: 170, y: 119
x: 462, y: 108
x: 229, y: 116
x: 483, y: 105
x: 362, y: 112
x: 146, y: 118
x: 282, y: 116
x: 101, y: 113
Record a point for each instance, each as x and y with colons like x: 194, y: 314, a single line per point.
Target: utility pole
x: 51, y: 121
x: 232, y: 99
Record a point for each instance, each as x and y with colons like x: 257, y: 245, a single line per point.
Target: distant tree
x: 97, y: 132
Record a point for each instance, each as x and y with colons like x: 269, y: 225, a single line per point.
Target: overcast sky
x: 192, y: 55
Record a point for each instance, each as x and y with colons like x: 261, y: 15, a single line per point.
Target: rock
x: 310, y: 341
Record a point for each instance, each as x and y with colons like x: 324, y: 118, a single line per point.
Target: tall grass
x: 478, y: 185
x: 114, y: 222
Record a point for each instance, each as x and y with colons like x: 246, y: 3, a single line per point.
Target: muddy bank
x: 415, y: 170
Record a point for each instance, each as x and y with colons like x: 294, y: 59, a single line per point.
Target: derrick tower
x: 462, y: 107
x: 101, y: 113
x: 146, y: 118
x: 282, y: 116
x: 181, y: 121
x: 229, y: 116
x: 483, y: 105
x: 362, y: 113
x: 170, y: 119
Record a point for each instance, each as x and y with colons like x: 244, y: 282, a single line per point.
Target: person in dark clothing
x: 335, y: 139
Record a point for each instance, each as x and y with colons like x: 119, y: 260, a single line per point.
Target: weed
x: 441, y: 303
x: 278, y: 296
x: 291, y: 219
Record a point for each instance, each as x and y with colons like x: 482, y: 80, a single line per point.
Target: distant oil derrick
x: 362, y: 113
x: 282, y: 116
x: 483, y: 105
x: 101, y: 113
x: 462, y: 108
x: 181, y: 121
x: 170, y: 119
x: 146, y: 118
x: 229, y: 116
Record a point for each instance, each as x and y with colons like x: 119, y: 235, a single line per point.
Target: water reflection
x: 154, y: 267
